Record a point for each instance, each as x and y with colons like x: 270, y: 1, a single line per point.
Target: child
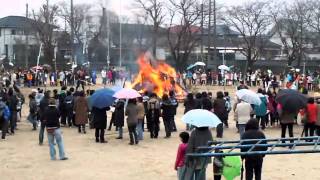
x: 218, y: 166
x: 179, y: 165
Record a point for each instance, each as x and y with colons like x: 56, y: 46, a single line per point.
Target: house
x: 16, y: 36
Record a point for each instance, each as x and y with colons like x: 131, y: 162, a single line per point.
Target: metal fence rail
x: 233, y: 148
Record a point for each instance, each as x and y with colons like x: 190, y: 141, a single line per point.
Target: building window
x: 13, y: 32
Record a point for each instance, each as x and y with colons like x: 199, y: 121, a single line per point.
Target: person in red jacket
x: 179, y: 165
x: 311, y: 117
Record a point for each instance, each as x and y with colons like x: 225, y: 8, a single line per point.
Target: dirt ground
x: 21, y: 158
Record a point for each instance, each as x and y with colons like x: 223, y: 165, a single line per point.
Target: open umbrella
x: 102, y: 98
x: 191, y: 66
x: 224, y: 67
x: 127, y: 93
x: 116, y: 88
x: 232, y: 167
x: 248, y: 96
x: 199, y: 63
x: 291, y: 100
x: 201, y: 118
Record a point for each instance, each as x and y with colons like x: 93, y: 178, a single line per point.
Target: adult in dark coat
x: 174, y: 106
x: 81, y: 109
x: 44, y: 103
x: 12, y: 104
x: 189, y: 103
x: 253, y: 164
x: 153, y: 115
x: 69, y: 105
x: 206, y: 102
x: 119, y: 117
x: 100, y: 122
x: 219, y: 107
x: 198, y: 101
x: 167, y: 114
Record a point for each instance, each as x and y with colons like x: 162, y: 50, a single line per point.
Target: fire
x: 159, y: 79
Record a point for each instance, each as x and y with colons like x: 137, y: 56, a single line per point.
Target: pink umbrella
x: 37, y: 67
x: 127, y: 93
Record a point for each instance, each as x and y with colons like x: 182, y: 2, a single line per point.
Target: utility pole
x: 120, y: 43
x: 72, y: 32
x: 108, y: 37
x: 209, y: 33
x: 26, y: 31
x: 201, y: 47
x: 215, y: 32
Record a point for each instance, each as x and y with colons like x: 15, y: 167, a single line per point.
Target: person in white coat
x: 242, y: 113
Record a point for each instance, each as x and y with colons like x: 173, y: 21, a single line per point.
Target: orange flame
x: 161, y: 78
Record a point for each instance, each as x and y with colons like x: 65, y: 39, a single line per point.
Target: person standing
x: 32, y: 117
x: 4, y: 119
x: 81, y: 109
x: 200, y: 136
x: 174, y: 105
x: 287, y: 120
x: 119, y: 117
x: 132, y: 120
x: 62, y: 108
x: 242, y: 115
x: 104, y: 76
x: 44, y: 103
x: 69, y: 105
x: 167, y: 112
x: 317, y: 124
x: 261, y: 110
x: 153, y: 115
x: 141, y: 114
x: 100, y: 123
x: 219, y: 107
x: 179, y: 165
x: 189, y: 104
x: 253, y: 163
x: 51, y: 120
x: 311, y: 117
x: 12, y: 104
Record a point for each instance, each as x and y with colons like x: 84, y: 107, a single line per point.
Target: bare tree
x: 155, y: 11
x: 80, y: 14
x: 314, y: 18
x: 182, y: 34
x: 46, y: 20
x: 251, y: 21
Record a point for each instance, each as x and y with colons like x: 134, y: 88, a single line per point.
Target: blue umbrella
x: 201, y: 118
x: 102, y: 98
x: 116, y: 88
x: 191, y: 66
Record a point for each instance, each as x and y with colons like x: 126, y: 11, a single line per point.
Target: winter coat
x: 253, y: 134
x: 167, y: 110
x: 285, y: 116
x: 81, y: 109
x: 141, y: 111
x: 242, y: 112
x: 312, y: 113
x: 99, y: 117
x: 5, y: 111
x: 12, y: 103
x: 119, y: 114
x: 199, y: 137
x: 69, y: 103
x: 44, y: 103
x: 261, y: 110
x: 189, y: 105
x: 132, y: 112
x: 33, y: 106
x: 206, y: 104
x: 153, y: 112
x: 51, y: 117
x: 318, y: 118
x: 219, y: 107
x: 175, y: 104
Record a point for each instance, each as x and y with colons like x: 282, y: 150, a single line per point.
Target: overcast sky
x: 18, y: 7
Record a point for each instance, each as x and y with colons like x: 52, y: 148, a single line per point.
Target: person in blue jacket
x: 261, y: 110
x: 4, y: 119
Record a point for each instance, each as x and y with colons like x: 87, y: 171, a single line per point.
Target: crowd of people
x: 51, y: 110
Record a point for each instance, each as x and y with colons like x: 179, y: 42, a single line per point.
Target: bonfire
x: 156, y: 77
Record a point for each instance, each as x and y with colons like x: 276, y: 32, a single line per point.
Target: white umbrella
x: 199, y: 63
x: 201, y: 118
x: 224, y: 67
x: 249, y: 96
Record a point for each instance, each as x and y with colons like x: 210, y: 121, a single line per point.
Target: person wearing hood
x: 153, y: 115
x: 52, y: 124
x: 261, y: 110
x: 253, y: 163
x: 118, y: 116
x: 4, y: 119
x: 167, y: 114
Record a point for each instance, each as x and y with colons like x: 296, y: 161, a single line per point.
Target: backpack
x: 68, y: 103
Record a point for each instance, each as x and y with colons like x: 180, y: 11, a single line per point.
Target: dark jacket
x: 220, y: 109
x: 44, y: 103
x: 175, y: 104
x: 167, y: 110
x: 198, y: 103
x: 12, y: 103
x: 119, y: 114
x: 81, y: 109
x: 69, y: 103
x: 51, y: 117
x: 33, y: 106
x: 207, y: 104
x: 132, y: 113
x: 99, y: 117
x: 253, y: 134
x: 189, y: 105
x: 199, y: 137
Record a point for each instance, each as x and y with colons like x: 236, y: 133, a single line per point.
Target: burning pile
x: 159, y: 78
